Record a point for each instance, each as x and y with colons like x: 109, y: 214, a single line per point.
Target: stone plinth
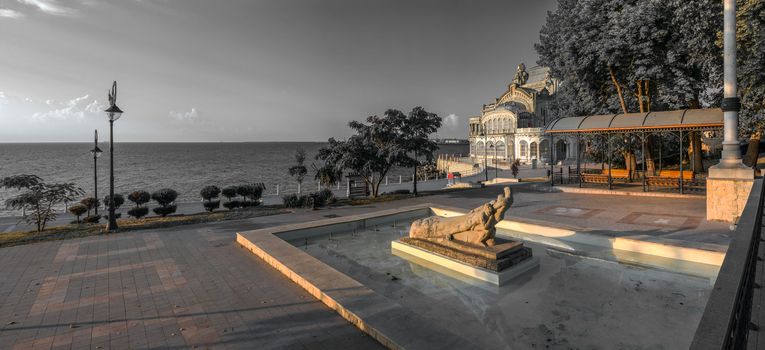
x: 447, y: 260
x: 727, y: 192
x: 503, y: 255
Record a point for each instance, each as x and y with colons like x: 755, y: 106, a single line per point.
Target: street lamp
x: 113, y: 113
x: 495, y: 163
x: 485, y: 167
x: 96, y: 152
x: 496, y: 166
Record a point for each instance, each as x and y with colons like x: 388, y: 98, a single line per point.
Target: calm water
x: 185, y: 167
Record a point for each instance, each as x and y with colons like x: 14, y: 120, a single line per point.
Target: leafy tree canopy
x: 37, y: 199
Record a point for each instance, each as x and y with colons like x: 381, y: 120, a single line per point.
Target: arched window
x: 524, y: 149
x: 544, y: 149
x: 490, y: 149
x: 534, y: 153
x: 481, y: 149
x: 511, y: 149
x: 500, y: 149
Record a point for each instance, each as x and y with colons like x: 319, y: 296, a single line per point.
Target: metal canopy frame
x: 640, y: 124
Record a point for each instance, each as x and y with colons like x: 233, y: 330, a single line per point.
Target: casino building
x: 513, y: 126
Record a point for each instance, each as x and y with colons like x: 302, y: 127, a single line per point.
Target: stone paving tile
x: 191, y: 287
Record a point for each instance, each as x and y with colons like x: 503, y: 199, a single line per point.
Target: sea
x: 184, y: 167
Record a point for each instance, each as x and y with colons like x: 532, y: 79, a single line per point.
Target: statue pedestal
x: 727, y: 192
x: 497, y: 264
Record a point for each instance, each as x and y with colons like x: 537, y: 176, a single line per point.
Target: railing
x: 390, y: 182
x: 726, y: 321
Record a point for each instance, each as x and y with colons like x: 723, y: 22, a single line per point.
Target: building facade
x: 513, y: 126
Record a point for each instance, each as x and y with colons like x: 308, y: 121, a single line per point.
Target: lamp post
x: 113, y: 113
x: 485, y: 167
x: 496, y: 166
x: 731, y: 154
x: 96, y: 152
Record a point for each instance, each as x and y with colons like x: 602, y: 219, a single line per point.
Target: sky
x: 252, y: 70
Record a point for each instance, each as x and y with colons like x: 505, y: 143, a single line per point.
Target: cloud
x: 75, y: 109
x: 451, y: 122
x: 185, y: 116
x: 8, y: 13
x: 50, y: 7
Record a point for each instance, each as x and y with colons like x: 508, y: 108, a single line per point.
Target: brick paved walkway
x: 190, y: 287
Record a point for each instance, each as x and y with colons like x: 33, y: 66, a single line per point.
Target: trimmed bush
x: 90, y: 203
x: 292, y: 201
x: 91, y: 219
x: 165, y: 196
x: 166, y: 199
x: 77, y: 210
x: 211, y: 205
x: 138, y: 197
x: 322, y: 198
x: 229, y: 192
x: 119, y: 200
x: 209, y: 193
x: 232, y: 205
x: 165, y: 210
x: 138, y: 212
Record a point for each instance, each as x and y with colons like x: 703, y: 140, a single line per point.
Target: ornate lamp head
x: 96, y: 152
x: 113, y: 112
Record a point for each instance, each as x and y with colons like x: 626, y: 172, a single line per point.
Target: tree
x: 230, y: 192
x: 119, y: 200
x: 139, y: 198
x: 375, y: 148
x: 253, y: 192
x: 90, y: 203
x: 298, y: 171
x: 166, y: 199
x: 209, y: 193
x: 245, y: 191
x: 38, y: 198
x: 327, y: 175
x: 629, y: 56
x: 416, y: 129
x: 138, y: 212
x: 77, y: 210
x: 750, y: 35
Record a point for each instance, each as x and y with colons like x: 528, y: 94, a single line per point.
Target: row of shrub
x: 165, y: 198
x: 250, y: 196
x: 312, y: 200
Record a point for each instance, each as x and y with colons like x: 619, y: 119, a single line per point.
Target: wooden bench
x: 671, y: 179
x: 593, y: 178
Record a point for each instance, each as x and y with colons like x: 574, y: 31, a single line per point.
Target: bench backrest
x: 617, y: 172
x: 687, y: 174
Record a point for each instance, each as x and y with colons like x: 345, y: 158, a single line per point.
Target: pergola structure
x: 637, y: 124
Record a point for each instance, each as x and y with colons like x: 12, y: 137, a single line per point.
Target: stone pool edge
x: 391, y: 324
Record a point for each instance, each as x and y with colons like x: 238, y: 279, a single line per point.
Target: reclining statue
x: 475, y: 227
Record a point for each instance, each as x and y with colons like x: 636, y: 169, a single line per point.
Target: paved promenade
x: 192, y: 286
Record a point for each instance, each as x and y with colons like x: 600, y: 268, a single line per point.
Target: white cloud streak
x: 50, y: 7
x: 8, y: 13
x: 185, y: 116
x: 451, y: 122
x: 73, y: 110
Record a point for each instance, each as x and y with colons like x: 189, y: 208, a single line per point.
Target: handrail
x: 726, y: 320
